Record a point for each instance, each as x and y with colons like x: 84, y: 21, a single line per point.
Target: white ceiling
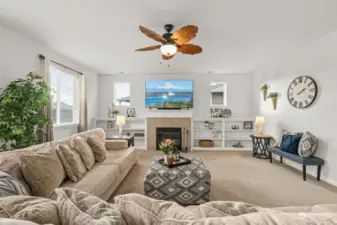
x: 236, y: 35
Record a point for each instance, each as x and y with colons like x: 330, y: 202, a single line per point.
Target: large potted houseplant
x: 166, y: 147
x: 20, y: 112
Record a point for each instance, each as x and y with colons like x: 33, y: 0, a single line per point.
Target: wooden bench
x: 310, y: 161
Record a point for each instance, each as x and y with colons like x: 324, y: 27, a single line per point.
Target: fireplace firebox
x: 168, y: 133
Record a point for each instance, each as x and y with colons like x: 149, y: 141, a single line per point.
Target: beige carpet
x: 240, y: 177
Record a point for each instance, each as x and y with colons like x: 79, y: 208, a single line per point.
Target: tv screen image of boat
x: 169, y: 94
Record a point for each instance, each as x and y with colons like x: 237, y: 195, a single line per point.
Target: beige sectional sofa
x: 101, y: 180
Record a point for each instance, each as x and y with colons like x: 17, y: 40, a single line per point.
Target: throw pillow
x: 290, y: 143
x: 307, y: 145
x: 9, y: 186
x: 81, y: 208
x: 82, y: 147
x: 43, y: 171
x: 98, y: 147
x: 35, y: 209
x: 71, y: 161
x: 284, y: 132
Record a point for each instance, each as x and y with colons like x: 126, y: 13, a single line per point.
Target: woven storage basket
x: 206, y: 143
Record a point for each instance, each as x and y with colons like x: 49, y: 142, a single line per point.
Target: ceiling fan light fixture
x: 168, y: 49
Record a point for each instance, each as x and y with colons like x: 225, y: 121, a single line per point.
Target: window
x: 65, y: 104
x: 122, y: 94
x: 218, y: 92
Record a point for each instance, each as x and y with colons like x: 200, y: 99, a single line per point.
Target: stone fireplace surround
x: 161, y: 122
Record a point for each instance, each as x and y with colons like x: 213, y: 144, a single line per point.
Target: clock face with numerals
x: 302, y: 92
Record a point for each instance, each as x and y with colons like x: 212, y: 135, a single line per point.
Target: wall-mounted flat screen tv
x: 169, y: 94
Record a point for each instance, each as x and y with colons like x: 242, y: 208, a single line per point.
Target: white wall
x: 239, y: 89
x: 318, y: 60
x: 19, y: 56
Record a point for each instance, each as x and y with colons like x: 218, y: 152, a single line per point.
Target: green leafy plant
x: 20, y: 112
x: 115, y: 111
x: 166, y: 146
x: 264, y: 87
x: 272, y: 95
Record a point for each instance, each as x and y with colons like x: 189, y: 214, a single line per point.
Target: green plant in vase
x: 20, y: 112
x: 273, y: 96
x: 114, y: 112
x: 264, y: 89
x: 166, y: 147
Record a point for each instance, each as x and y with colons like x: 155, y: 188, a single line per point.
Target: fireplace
x: 168, y: 133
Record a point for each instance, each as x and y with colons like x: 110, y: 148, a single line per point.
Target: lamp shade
x: 168, y: 50
x: 259, y: 120
x: 120, y: 120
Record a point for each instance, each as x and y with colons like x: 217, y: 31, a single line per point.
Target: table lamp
x: 120, y: 121
x: 260, y: 123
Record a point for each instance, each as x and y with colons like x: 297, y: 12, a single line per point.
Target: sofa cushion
x: 96, y: 181
x: 122, y: 158
x: 141, y: 210
x: 71, y: 162
x: 85, y: 151
x: 43, y: 171
x: 268, y: 218
x: 6, y: 221
x: 80, y: 208
x: 290, y: 143
x: 98, y: 148
x: 35, y: 209
x: 9, y: 186
x: 307, y: 145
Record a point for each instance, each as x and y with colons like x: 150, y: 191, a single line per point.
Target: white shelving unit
x: 222, y: 133
x: 133, y: 125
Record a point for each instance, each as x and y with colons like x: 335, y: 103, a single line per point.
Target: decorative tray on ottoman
x: 183, y: 161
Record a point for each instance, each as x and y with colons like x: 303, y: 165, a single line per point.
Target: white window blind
x: 218, y: 93
x: 65, y: 103
x: 217, y: 98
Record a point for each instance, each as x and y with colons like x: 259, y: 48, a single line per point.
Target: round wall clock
x: 302, y: 92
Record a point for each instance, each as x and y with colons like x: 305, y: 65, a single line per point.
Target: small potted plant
x: 115, y: 112
x: 264, y: 89
x: 273, y: 97
x: 166, y: 147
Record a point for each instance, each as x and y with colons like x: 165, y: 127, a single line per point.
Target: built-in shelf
x: 196, y: 148
x: 222, y: 126
x: 238, y: 138
x: 239, y: 130
x: 133, y: 125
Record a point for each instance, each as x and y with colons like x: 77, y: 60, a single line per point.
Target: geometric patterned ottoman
x: 187, y: 185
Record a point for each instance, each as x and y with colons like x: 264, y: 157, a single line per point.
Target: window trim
x: 224, y: 98
x: 76, y: 99
x: 114, y: 98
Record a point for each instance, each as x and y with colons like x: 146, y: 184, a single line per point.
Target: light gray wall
x: 239, y: 91
x: 318, y: 60
x: 19, y: 56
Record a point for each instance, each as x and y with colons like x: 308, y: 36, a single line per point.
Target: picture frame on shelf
x: 248, y: 125
x: 131, y: 112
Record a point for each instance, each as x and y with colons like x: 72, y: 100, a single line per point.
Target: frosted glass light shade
x: 168, y: 50
x: 120, y: 120
x: 260, y: 120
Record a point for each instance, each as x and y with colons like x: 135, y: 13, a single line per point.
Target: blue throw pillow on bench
x: 290, y: 143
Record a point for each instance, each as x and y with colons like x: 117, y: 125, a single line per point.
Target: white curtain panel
x: 48, y: 129
x: 83, y: 126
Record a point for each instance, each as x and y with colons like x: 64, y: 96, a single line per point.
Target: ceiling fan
x: 172, y: 43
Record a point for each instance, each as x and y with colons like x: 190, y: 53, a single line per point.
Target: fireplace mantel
x: 177, y: 122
